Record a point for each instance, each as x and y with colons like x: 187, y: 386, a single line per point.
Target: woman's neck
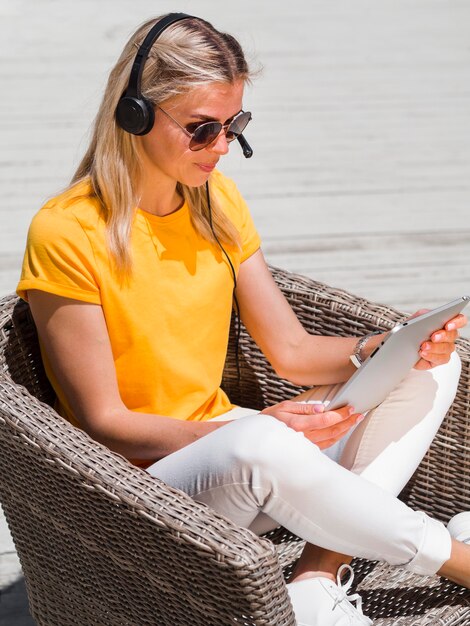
x: 159, y: 197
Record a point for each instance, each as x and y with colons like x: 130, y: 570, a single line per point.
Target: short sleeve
x: 240, y: 215
x: 59, y: 258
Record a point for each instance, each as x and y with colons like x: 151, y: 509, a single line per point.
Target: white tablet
x: 391, y: 361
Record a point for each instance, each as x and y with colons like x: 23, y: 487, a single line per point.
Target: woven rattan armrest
x: 102, y: 542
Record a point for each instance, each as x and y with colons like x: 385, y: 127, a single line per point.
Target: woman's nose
x: 219, y: 145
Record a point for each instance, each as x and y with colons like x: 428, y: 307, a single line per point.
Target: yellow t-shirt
x: 169, y: 325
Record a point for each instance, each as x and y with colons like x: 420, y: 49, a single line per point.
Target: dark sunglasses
x: 206, y: 133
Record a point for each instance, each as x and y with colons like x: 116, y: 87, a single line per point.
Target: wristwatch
x: 356, y: 357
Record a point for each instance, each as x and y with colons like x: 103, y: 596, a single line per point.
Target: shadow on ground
x: 14, y: 609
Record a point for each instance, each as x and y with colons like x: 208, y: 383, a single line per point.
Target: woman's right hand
x: 323, y: 428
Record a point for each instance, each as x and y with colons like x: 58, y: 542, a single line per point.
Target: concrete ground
x: 361, y: 133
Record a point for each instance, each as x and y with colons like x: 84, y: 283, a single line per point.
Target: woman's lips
x: 206, y: 167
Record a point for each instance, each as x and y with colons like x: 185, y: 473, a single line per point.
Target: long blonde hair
x: 188, y: 54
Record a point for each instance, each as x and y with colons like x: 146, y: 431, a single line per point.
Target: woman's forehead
x: 213, y: 100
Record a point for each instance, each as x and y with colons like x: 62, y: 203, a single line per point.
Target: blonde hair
x: 188, y: 54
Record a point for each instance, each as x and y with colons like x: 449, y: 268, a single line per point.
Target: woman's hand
x: 438, y: 348
x: 323, y: 428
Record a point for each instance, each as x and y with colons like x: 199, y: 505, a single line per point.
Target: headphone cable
x: 237, y: 308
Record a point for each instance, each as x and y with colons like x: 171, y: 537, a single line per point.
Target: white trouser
x: 261, y: 474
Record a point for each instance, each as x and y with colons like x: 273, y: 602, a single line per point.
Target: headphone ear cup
x: 135, y: 115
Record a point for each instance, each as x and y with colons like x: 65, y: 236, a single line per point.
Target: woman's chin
x: 195, y: 179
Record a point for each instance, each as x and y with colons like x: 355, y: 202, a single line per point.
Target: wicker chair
x: 102, y: 543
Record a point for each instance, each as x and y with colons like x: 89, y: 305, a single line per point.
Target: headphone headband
x: 133, y: 87
x: 134, y: 113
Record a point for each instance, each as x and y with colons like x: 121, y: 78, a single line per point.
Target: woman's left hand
x: 438, y: 348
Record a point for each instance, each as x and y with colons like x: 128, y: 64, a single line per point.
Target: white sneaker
x: 459, y: 527
x: 320, y: 602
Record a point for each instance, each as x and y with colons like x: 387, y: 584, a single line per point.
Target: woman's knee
x: 258, y: 439
x: 435, y: 387
x: 265, y: 444
x: 449, y: 374
x: 447, y: 377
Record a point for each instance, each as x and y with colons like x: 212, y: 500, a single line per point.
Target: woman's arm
x: 307, y: 359
x: 296, y: 355
x: 76, y: 340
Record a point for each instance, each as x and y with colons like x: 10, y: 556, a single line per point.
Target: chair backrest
x: 101, y: 541
x: 20, y: 356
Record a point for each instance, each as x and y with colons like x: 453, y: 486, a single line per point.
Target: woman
x: 130, y: 275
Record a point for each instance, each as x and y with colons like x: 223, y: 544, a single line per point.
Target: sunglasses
x: 206, y: 133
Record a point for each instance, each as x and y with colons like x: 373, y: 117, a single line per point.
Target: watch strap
x: 356, y: 357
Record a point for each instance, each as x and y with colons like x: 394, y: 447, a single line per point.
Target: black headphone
x: 134, y: 113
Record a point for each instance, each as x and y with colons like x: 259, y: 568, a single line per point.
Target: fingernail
x: 439, y: 336
x: 360, y: 418
x: 451, y: 326
x: 351, y: 410
x: 318, y: 408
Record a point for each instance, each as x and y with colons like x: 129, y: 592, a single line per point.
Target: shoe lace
x: 344, y: 587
